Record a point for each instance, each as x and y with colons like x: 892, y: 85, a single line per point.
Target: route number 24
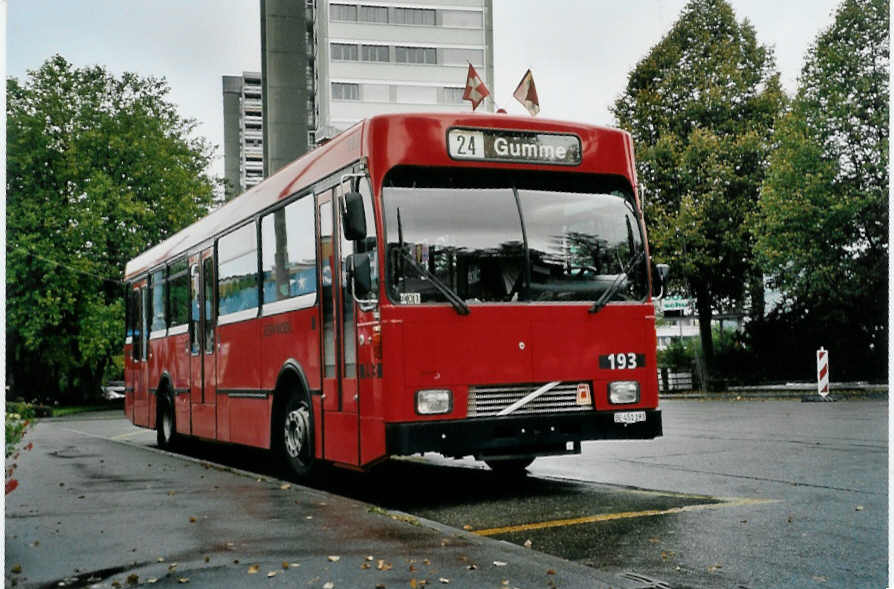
x: 622, y: 361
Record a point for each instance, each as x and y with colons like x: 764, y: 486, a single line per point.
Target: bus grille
x: 489, y: 400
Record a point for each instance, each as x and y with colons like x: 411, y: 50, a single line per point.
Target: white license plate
x: 630, y: 417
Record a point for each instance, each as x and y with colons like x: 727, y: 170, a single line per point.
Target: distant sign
x: 514, y: 146
x: 674, y: 304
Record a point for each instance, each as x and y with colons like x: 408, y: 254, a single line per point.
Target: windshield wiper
x: 455, y: 299
x: 461, y: 307
x: 617, y: 282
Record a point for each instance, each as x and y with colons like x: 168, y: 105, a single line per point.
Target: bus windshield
x: 512, y: 244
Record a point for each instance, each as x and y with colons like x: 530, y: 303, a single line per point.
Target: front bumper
x: 531, y: 435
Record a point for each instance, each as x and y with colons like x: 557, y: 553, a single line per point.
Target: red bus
x: 459, y: 284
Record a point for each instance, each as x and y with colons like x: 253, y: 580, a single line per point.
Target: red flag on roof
x: 526, y: 93
x: 475, y: 88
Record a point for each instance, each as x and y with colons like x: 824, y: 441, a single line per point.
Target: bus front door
x: 203, y: 352
x: 341, y: 441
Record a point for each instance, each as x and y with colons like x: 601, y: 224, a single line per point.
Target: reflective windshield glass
x: 469, y: 239
x: 512, y: 243
x: 580, y: 244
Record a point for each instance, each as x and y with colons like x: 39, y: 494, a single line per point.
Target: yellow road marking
x: 602, y: 517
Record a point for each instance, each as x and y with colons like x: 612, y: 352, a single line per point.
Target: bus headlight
x: 623, y: 392
x: 434, y: 401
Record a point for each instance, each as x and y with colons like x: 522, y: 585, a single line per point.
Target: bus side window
x: 210, y: 315
x: 195, y: 286
x: 178, y: 294
x: 369, y: 244
x: 157, y: 301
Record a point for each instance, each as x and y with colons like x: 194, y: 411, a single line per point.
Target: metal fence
x: 675, y: 381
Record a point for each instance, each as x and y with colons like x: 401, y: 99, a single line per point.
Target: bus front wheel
x: 296, y: 435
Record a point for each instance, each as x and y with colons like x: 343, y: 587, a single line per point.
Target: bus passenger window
x: 157, y: 301
x: 237, y: 258
x: 208, y: 291
x: 194, y: 309
x: 178, y: 294
x: 288, y: 253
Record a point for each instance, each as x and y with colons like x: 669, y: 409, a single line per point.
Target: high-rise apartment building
x: 387, y: 56
x: 327, y: 64
x: 243, y: 131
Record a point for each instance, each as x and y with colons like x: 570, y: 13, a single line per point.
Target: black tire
x: 165, y: 424
x: 513, y: 466
x: 293, y: 435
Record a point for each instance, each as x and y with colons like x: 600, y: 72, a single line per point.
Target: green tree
x: 701, y: 108
x: 822, y: 224
x: 99, y: 168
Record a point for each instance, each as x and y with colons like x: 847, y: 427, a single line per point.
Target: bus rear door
x: 203, y: 352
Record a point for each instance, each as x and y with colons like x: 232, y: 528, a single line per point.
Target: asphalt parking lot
x: 755, y: 493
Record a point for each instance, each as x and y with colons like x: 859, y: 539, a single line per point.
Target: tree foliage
x: 701, y: 108
x: 99, y: 168
x: 822, y: 225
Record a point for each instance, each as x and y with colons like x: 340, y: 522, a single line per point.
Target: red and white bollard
x: 822, y: 372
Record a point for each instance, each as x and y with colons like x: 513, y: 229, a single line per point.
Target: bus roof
x: 389, y: 140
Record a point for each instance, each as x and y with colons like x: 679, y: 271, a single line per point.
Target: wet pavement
x: 749, y: 494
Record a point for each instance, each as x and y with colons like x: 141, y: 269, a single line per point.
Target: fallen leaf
x: 528, y: 543
x: 16, y: 569
x: 426, y: 562
x: 819, y: 579
x: 207, y: 559
x: 550, y: 572
x: 152, y: 580
x: 370, y: 558
x: 192, y: 520
x: 253, y: 569
x: 365, y: 565
x: 172, y: 566
x: 383, y: 566
x: 444, y: 580
x: 285, y: 565
x: 467, y: 527
x: 133, y: 579
x: 499, y: 563
x: 271, y: 574
x: 413, y: 584
x: 859, y: 508
x: 161, y: 559
x: 284, y: 486
x: 654, y: 540
x: 294, y: 565
x: 183, y: 580
x: 329, y: 585
x: 334, y: 558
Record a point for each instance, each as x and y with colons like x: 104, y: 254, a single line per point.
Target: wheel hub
x: 296, y: 431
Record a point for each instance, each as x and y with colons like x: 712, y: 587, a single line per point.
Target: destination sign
x: 514, y: 146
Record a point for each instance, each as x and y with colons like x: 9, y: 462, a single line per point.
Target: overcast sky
x: 580, y: 51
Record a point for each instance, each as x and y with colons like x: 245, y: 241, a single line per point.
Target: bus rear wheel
x: 165, y: 426
x: 296, y: 436
x: 512, y: 466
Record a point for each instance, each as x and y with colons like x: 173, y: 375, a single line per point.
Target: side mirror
x: 660, y: 273
x: 361, y: 274
x: 353, y: 217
